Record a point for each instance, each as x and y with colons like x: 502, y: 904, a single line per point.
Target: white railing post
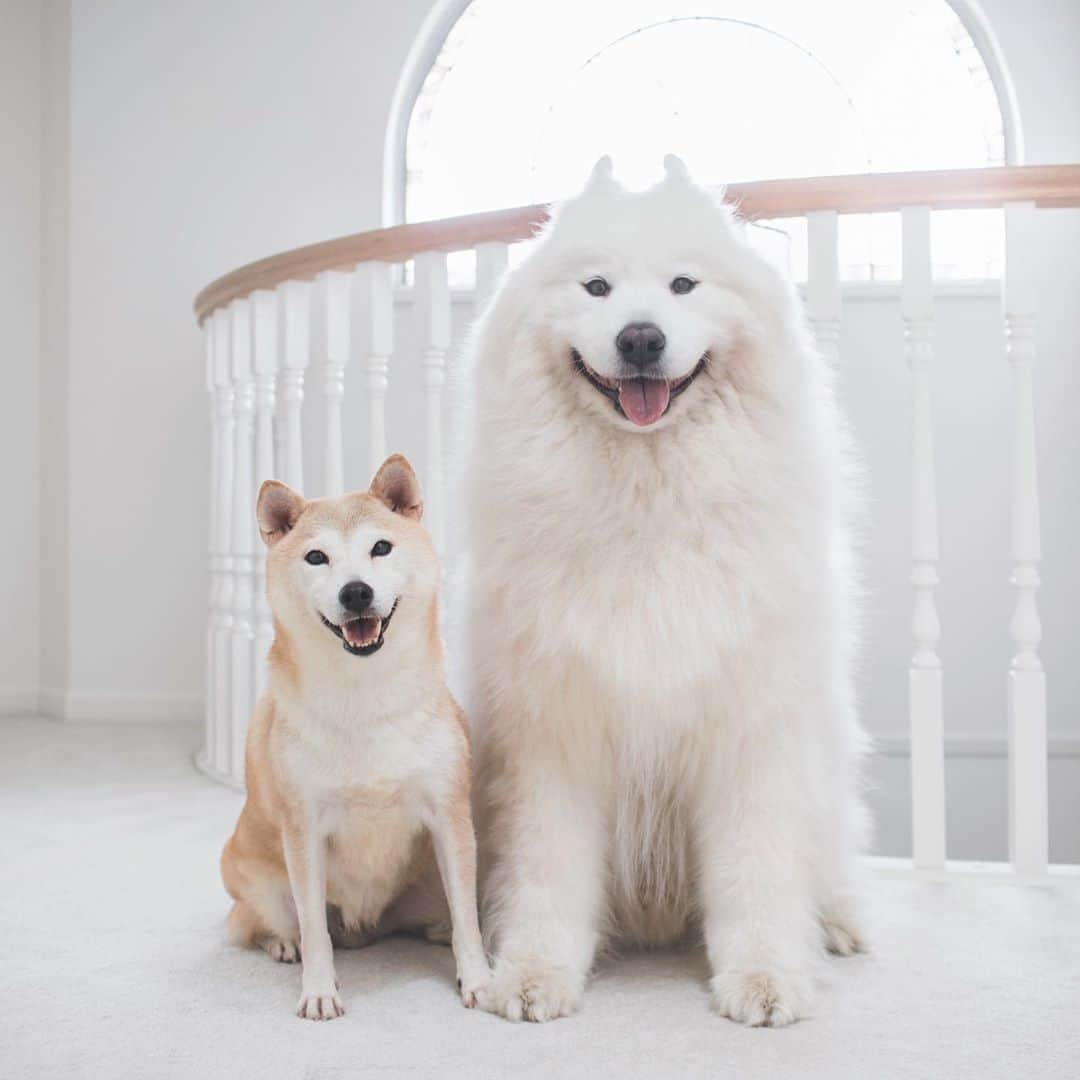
x: 243, y: 534
x: 925, y: 677
x: 265, y: 357
x: 295, y: 300
x: 210, y: 707
x: 1028, y: 826
x: 492, y: 260
x: 433, y: 297
x: 218, y: 755
x: 333, y: 337
x: 376, y: 284
x: 823, y: 283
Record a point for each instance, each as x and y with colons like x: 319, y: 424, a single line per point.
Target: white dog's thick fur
x: 662, y: 624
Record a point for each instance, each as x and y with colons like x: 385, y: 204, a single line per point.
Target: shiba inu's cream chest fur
x: 368, y: 795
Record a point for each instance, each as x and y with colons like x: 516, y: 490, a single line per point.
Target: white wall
x: 19, y: 240
x: 202, y: 135
x: 54, y: 382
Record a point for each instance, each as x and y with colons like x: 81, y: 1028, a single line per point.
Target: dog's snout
x: 356, y: 596
x: 640, y: 343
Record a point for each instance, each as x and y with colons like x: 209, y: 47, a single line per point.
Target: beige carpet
x: 111, y: 912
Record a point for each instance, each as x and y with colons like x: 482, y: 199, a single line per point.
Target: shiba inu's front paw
x: 533, y: 989
x: 476, y: 993
x: 762, y: 998
x: 320, y: 1006
x: 474, y: 985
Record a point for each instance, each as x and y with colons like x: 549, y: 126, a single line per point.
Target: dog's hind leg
x: 244, y: 927
x: 281, y: 930
x: 264, y: 913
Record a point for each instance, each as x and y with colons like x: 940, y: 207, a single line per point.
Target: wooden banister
x: 1044, y: 185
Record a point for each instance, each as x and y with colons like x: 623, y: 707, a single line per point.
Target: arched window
x: 512, y: 102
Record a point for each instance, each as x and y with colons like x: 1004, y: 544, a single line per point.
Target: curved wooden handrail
x: 1045, y: 185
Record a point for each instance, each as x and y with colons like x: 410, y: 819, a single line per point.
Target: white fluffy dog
x: 662, y: 626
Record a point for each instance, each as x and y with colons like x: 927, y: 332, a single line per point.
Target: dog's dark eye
x: 382, y: 547
x: 682, y: 285
x: 596, y: 286
x: 316, y: 557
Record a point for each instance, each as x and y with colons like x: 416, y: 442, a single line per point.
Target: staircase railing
x: 266, y: 325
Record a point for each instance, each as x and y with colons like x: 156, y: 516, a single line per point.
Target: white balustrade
x: 375, y: 286
x: 260, y: 346
x: 265, y: 355
x: 1028, y: 842
x: 218, y: 755
x: 823, y: 282
x: 214, y: 604
x: 331, y: 331
x: 243, y: 533
x: 924, y: 678
x: 295, y: 300
x: 432, y: 307
x: 492, y: 260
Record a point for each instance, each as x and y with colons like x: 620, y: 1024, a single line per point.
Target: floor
x: 111, y: 912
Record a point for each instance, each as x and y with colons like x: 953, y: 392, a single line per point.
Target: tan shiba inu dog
x: 358, y: 770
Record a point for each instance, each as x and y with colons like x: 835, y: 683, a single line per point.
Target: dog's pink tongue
x: 644, y: 400
x: 362, y: 631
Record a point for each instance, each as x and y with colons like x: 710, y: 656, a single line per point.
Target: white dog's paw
x: 324, y: 1005
x: 284, y: 952
x: 843, y: 937
x: 762, y: 998
x: 534, y: 990
x: 841, y: 928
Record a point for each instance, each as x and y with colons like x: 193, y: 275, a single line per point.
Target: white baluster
x: 433, y: 297
x: 243, y: 534
x: 332, y: 328
x: 376, y: 288
x: 1028, y: 843
x: 925, y: 677
x: 226, y: 401
x: 265, y: 356
x: 491, y: 262
x: 206, y: 754
x: 295, y: 300
x: 823, y: 283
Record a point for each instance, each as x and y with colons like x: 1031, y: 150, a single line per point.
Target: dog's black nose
x: 356, y: 596
x: 641, y: 343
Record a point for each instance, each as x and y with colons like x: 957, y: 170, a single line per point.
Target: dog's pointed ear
x: 277, y: 509
x: 602, y: 174
x: 395, y: 484
x: 675, y: 169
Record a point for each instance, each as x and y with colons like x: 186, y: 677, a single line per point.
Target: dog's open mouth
x: 363, y: 635
x: 642, y: 401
